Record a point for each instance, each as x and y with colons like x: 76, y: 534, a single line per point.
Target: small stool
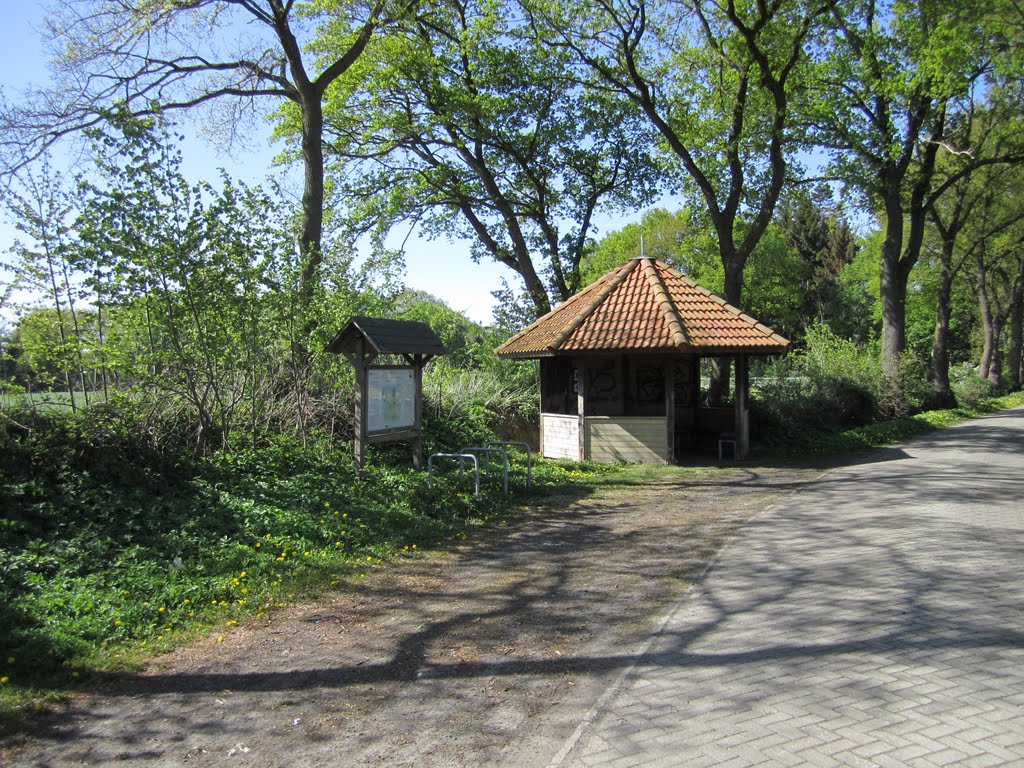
x: 726, y: 438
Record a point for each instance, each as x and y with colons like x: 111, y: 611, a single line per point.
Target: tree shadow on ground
x: 900, y: 577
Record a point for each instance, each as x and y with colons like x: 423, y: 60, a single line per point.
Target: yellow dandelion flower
x: 4, y: 680
x: 117, y: 623
x: 242, y: 575
x: 186, y: 601
x: 220, y: 639
x: 161, y: 609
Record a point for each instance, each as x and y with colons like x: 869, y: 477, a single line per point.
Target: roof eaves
x: 588, y: 309
x: 544, y: 319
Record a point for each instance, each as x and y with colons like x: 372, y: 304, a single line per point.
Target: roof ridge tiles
x: 664, y: 299
x: 571, y: 301
x: 616, y: 279
x: 743, y: 315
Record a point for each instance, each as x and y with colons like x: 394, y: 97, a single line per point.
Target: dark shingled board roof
x: 644, y: 306
x: 387, y: 337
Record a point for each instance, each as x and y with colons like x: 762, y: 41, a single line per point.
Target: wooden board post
x: 397, y: 413
x: 741, y: 398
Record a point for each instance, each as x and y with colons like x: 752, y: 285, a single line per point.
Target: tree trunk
x: 1013, y: 351
x: 60, y: 325
x: 718, y: 387
x: 311, y: 230
x: 987, y: 322
x: 940, y: 342
x: 892, y: 287
x: 1016, y: 329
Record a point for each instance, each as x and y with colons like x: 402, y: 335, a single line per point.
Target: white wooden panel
x: 627, y: 439
x: 561, y: 437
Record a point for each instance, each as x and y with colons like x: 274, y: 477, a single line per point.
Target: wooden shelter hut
x: 620, y: 367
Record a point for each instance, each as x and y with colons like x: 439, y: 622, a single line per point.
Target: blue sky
x: 442, y: 268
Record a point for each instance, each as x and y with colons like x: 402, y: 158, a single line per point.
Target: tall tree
x: 891, y: 85
x: 716, y: 81
x: 42, y: 213
x: 461, y: 122
x: 972, y: 210
x: 822, y: 238
x: 150, y: 55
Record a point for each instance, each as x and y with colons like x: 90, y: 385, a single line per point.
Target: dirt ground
x: 488, y: 655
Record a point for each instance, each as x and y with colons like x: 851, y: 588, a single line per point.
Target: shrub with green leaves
x: 831, y: 386
x: 103, y: 546
x: 968, y: 387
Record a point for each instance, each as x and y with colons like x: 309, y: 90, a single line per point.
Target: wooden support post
x: 742, y: 405
x: 670, y: 408
x: 541, y: 377
x: 417, y: 443
x: 359, y: 444
x: 581, y: 409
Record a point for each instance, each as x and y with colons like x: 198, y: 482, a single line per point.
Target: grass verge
x: 106, y: 559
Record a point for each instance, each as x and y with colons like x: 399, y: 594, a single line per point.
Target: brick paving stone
x: 872, y: 619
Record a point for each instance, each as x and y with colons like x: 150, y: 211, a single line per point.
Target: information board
x: 391, y: 399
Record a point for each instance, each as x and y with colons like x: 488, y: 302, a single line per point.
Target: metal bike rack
x: 474, y: 449
x: 529, y: 457
x: 462, y: 457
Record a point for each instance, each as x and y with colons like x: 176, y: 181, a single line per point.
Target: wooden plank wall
x: 613, y: 439
x: 560, y: 436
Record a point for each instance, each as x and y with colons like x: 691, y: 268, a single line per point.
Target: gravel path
x: 492, y: 654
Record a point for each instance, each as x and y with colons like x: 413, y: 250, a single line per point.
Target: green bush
x: 905, y: 392
x: 831, y: 387
x: 968, y: 387
x: 105, y: 549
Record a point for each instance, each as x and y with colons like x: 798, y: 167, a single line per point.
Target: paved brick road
x: 875, y: 619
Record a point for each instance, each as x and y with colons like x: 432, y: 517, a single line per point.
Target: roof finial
x: 642, y: 255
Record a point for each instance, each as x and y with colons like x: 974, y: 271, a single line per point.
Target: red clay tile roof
x: 644, y: 306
